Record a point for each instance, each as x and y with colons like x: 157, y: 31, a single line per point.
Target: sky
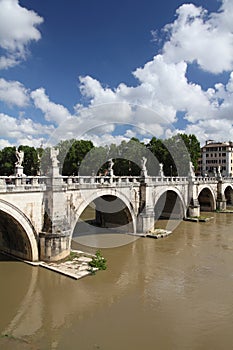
x: 110, y: 70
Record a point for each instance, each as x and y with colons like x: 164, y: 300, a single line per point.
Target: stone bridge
x: 38, y: 214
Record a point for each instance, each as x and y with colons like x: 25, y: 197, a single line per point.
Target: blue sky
x: 107, y: 71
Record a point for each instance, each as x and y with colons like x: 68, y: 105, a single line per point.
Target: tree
x: 71, y: 154
x: 31, y: 161
x: 193, y: 147
x: 7, y: 161
x: 159, y: 154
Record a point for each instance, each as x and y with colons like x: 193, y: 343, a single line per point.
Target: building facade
x: 215, y: 157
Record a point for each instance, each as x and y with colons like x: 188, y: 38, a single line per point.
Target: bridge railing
x: 202, y: 179
x: 72, y: 181
x: 75, y: 181
x: 168, y: 179
x: 227, y: 179
x: 27, y: 183
x: 10, y: 183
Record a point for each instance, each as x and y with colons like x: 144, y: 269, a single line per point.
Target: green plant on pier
x: 97, y: 262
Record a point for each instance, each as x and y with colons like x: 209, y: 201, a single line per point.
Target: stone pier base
x: 54, y: 247
x: 145, y: 222
x: 221, y: 205
x: 194, y: 210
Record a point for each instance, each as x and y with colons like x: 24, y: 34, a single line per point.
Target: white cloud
x: 13, y: 93
x: 53, y: 112
x: 5, y: 143
x: 219, y: 130
x: 197, y: 36
x: 163, y: 88
x: 17, y: 30
x: 23, y: 131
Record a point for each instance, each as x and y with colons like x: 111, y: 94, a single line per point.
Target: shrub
x: 98, y: 262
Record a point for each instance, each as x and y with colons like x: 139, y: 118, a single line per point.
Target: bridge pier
x: 54, y: 247
x: 221, y: 202
x: 146, y: 221
x: 146, y: 218
x: 194, y: 206
x: 56, y: 232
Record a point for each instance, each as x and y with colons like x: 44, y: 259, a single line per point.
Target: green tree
x: 193, y: 147
x: 159, y: 154
x: 31, y: 161
x: 7, y: 161
x: 128, y: 157
x: 71, y: 154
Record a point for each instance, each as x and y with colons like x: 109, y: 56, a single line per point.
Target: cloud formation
x: 18, y: 27
x: 197, y: 36
x: 52, y: 112
x: 163, y: 89
x: 22, y: 131
x: 163, y: 85
x: 13, y: 93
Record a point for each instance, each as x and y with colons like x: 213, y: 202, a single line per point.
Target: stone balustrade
x: 25, y: 183
x: 32, y: 183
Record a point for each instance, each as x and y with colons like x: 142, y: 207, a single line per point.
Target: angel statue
x: 19, y: 156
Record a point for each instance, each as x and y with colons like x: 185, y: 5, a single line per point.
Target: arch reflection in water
x: 22, y: 311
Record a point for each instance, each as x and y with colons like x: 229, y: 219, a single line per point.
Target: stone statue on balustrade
x: 19, y: 162
x: 161, y: 173
x: 219, y: 174
x: 191, y: 170
x: 143, y: 165
x: 39, y: 164
x: 110, y: 167
x: 53, y: 156
x: 19, y: 156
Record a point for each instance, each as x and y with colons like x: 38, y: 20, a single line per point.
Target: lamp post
x: 171, y: 170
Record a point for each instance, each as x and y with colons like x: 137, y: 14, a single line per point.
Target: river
x: 169, y: 293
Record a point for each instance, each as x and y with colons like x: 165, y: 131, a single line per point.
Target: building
x: 216, y: 156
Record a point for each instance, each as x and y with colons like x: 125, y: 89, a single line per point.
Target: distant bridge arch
x: 169, y: 203
x: 101, y: 200
x: 206, y: 199
x: 228, y: 194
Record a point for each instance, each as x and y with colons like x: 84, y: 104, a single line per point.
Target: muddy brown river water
x: 170, y: 293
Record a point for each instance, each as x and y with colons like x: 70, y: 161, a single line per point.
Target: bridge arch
x: 206, y: 199
x: 17, y: 235
x: 228, y: 192
x: 169, y: 203
x: 93, y: 196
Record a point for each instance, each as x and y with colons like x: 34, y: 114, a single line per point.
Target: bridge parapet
x: 100, y: 181
x: 166, y: 180
x: 203, y: 180
x: 24, y: 184
x: 41, y: 183
x: 227, y: 179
